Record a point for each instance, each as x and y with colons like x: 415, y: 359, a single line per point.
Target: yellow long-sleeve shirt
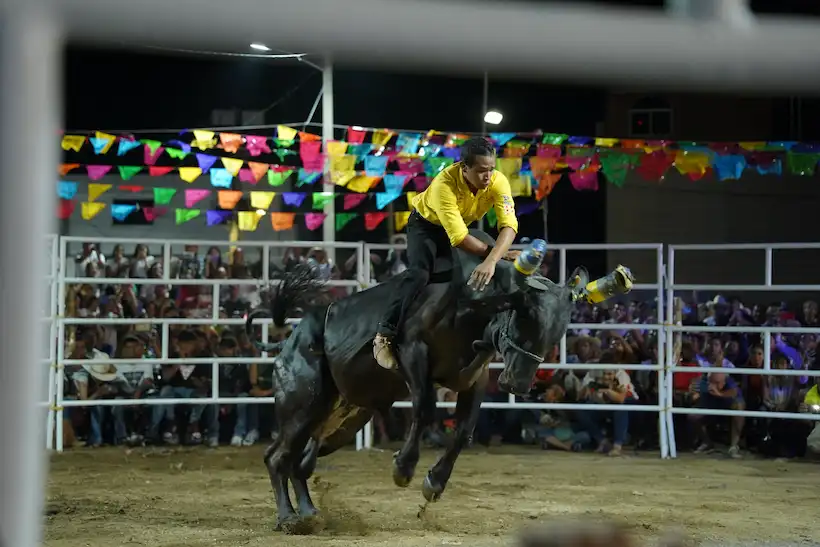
x: 449, y: 202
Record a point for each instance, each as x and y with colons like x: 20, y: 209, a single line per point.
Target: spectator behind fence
x: 719, y: 391
x: 183, y: 382
x: 606, y: 387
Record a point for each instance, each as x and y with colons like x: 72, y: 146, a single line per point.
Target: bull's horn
x: 620, y: 281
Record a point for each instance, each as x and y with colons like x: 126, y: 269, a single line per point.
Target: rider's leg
x: 425, y: 241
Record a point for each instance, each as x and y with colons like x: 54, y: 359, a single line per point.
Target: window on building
x: 224, y: 117
x: 650, y: 117
x: 137, y: 216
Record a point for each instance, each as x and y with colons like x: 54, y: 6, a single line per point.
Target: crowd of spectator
x: 626, y: 343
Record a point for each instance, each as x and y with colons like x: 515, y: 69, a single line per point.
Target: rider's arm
x: 505, y: 212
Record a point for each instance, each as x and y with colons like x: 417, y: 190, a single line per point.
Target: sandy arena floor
x: 194, y: 497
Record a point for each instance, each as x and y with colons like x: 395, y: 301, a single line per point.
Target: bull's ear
x: 535, y: 283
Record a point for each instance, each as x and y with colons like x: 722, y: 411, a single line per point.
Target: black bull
x: 327, y: 384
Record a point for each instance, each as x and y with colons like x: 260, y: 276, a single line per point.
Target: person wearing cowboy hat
x: 94, y: 381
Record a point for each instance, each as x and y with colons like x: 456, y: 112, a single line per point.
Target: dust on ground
x: 190, y: 497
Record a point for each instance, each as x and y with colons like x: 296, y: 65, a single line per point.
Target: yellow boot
x: 620, y: 281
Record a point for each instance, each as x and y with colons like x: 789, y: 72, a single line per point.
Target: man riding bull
x: 458, y: 196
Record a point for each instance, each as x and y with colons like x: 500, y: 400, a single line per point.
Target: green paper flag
x: 434, y: 166
x: 162, y: 196
x: 320, y: 199
x: 283, y: 153
x: 184, y: 215
x: 492, y: 220
x: 802, y: 164
x: 176, y: 153
x: 282, y: 143
x: 128, y: 171
x: 278, y: 178
x: 152, y: 145
x: 580, y: 152
x: 616, y: 165
x: 555, y: 139
x: 342, y: 219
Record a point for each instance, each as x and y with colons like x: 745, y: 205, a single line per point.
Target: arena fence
x: 662, y: 291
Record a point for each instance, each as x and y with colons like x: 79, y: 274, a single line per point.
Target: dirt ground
x: 193, y: 497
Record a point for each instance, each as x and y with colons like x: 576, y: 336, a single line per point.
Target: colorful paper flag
x: 262, y: 200
x: 194, y: 196
x: 185, y: 215
x: 229, y: 198
x: 314, y: 221
x: 90, y: 210
x: 189, y: 174
x: 282, y: 221
x: 95, y: 190
x: 162, y: 196
x: 248, y: 220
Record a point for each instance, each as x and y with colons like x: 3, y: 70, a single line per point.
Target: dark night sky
x: 143, y: 89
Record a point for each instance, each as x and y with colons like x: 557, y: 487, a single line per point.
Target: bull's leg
x: 467, y: 410
x: 413, y: 361
x: 302, y: 471
x: 275, y: 458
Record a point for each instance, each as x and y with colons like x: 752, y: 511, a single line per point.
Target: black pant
x: 425, y: 243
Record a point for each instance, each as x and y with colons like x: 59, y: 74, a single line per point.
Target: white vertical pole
x: 29, y: 119
x: 52, y: 340
x: 670, y: 353
x: 663, y: 339
x: 329, y: 226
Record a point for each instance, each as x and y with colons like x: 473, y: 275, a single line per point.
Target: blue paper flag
x: 360, y: 151
x: 394, y: 183
x: 729, y: 167
x: 408, y: 143
x: 375, y: 166
x: 221, y: 178
x: 383, y: 199
x: 773, y: 168
x: 184, y: 146
x: 120, y: 211
x: 98, y: 144
x: 293, y: 199
x: 579, y: 141
x: 502, y: 138
x: 205, y: 161
x: 307, y: 177
x: 452, y: 153
x: 66, y: 189
x: 126, y: 145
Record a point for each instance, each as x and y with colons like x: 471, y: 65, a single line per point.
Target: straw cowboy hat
x: 102, y: 372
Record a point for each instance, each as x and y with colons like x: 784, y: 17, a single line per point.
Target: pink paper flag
x: 412, y: 165
x: 315, y: 164
x: 308, y: 150
x: 353, y: 200
x: 577, y: 163
x: 246, y: 175
x: 96, y: 172
x: 152, y: 213
x: 548, y: 151
x: 149, y: 158
x: 584, y: 180
x: 257, y: 145
x: 194, y: 196
x: 314, y: 220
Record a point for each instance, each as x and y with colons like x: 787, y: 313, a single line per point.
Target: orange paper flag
x: 259, y: 170
x: 545, y: 185
x: 67, y: 167
x: 230, y: 142
x: 282, y: 221
x: 229, y: 198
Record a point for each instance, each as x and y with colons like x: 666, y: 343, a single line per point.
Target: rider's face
x: 481, y: 173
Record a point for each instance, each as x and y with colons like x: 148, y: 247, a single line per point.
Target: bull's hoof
x: 300, y: 526
x: 401, y: 476
x: 431, y: 490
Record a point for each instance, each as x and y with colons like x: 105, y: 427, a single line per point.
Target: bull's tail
x: 295, y: 289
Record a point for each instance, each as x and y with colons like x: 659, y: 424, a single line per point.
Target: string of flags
x: 386, y: 165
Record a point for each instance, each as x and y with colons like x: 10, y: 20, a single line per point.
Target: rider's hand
x: 511, y: 255
x: 482, y: 275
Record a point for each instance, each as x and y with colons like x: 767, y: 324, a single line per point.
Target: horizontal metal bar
x: 614, y: 326
x: 746, y: 413
x: 545, y: 406
x: 587, y: 366
x: 757, y: 288
x: 744, y: 246
x: 771, y: 54
x: 749, y: 371
x: 176, y: 361
x: 203, y: 282
x: 167, y: 321
x: 211, y: 242
x: 156, y: 401
x: 553, y: 246
x: 743, y: 330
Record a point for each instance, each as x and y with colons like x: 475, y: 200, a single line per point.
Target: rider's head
x: 478, y: 162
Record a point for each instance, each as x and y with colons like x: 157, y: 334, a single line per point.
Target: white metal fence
x: 662, y: 291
